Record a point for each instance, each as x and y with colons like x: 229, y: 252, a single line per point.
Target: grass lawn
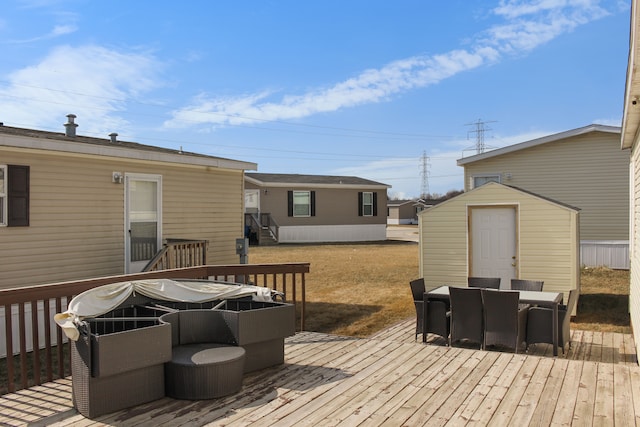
x: 359, y: 289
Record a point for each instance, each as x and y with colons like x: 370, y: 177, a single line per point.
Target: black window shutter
x: 359, y: 203
x: 313, y: 203
x: 290, y: 203
x: 375, y: 204
x: 18, y: 196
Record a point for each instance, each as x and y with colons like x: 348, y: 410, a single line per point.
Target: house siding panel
x: 589, y: 172
x: 333, y: 207
x: 77, y: 215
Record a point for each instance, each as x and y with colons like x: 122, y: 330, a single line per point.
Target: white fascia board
x: 631, y: 111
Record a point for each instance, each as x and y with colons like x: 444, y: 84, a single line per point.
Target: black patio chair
x: 505, y: 319
x: 526, y: 285
x: 484, y: 282
x: 466, y: 315
x: 539, y: 323
x: 437, y: 314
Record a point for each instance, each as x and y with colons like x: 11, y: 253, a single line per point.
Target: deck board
x: 390, y: 379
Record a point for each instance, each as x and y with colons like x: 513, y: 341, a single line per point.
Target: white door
x: 252, y: 201
x: 493, y: 243
x: 143, y: 222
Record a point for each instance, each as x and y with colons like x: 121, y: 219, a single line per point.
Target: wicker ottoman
x: 204, y: 371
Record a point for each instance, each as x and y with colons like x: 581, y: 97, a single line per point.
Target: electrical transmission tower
x: 424, y: 171
x: 479, y: 131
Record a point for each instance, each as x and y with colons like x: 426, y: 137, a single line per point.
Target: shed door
x: 493, y: 243
x: 143, y: 222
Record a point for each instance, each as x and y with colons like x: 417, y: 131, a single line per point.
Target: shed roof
x: 399, y: 202
x: 511, y: 187
x: 539, y: 141
x: 324, y: 181
x: 59, y: 141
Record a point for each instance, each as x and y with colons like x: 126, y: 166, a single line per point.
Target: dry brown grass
x: 354, y: 289
x: 604, y: 300
x: 359, y: 289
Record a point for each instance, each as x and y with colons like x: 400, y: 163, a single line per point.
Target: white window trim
x: 485, y: 175
x: 308, y: 193
x: 4, y: 198
x: 367, y: 204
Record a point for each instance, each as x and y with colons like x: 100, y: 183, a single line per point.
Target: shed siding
x: 589, y: 172
x: 77, y: 215
x: 547, y: 239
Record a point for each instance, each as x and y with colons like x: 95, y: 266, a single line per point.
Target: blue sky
x: 360, y: 87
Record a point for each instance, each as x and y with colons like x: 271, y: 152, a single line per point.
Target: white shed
x: 500, y: 231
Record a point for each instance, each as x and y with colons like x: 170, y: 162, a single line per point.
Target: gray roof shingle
x: 281, y: 178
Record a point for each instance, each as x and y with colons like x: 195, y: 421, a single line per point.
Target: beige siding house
x: 74, y: 207
x: 402, y: 212
x: 317, y: 208
x: 631, y: 140
x: 500, y: 231
x: 582, y: 167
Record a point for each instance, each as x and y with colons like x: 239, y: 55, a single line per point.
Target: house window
x: 367, y: 203
x: 479, y: 180
x: 14, y: 195
x: 301, y: 203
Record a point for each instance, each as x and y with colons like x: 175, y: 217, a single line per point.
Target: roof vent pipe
x: 113, y: 136
x: 70, y: 126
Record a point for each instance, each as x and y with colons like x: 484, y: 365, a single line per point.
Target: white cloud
x: 370, y: 86
x: 57, y: 31
x: 516, y: 8
x: 551, y: 19
x: 616, y: 121
x: 546, y: 19
x: 90, y: 81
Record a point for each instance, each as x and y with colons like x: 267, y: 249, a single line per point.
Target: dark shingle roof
x: 282, y: 178
x: 103, y: 143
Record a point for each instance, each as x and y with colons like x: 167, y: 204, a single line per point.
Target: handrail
x: 252, y: 221
x: 257, y: 222
x: 31, y: 309
x: 179, y: 253
x: 271, y: 223
x: 274, y: 227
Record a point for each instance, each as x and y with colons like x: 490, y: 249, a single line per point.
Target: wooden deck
x: 391, y: 380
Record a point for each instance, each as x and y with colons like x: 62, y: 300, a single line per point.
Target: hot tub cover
x: 97, y: 301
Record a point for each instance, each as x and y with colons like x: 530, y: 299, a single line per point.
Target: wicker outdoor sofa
x: 147, y: 348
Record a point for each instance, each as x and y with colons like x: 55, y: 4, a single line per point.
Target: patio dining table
x: 543, y: 299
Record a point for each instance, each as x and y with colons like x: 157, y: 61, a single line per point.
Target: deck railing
x: 179, y: 253
x: 31, y: 310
